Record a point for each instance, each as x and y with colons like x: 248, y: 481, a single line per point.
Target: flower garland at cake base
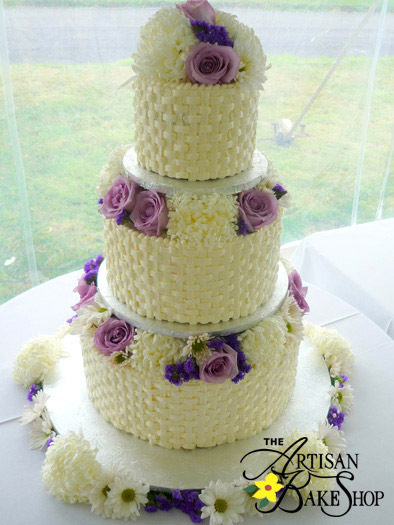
x: 72, y: 473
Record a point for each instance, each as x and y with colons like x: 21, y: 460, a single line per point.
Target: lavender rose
x: 298, y: 291
x: 198, y: 10
x: 220, y: 365
x: 257, y: 208
x: 210, y: 64
x: 150, y: 213
x: 119, y: 198
x: 113, y: 336
x: 86, y: 293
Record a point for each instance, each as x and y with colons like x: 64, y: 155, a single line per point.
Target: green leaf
x: 102, y: 310
x: 263, y: 503
x: 251, y: 489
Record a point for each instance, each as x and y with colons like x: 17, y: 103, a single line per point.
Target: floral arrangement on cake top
x: 193, y: 42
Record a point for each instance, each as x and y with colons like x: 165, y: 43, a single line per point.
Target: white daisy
x: 91, y: 315
x: 41, y: 431
x: 125, y: 497
x: 342, y: 397
x: 224, y: 503
x: 331, y: 437
x: 292, y: 314
x: 99, y: 494
x: 196, y: 347
x: 249, y: 501
x: 34, y: 411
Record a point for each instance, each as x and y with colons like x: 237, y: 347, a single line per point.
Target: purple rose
x: 113, y: 335
x: 150, y: 213
x: 120, y: 197
x: 257, y: 209
x: 86, y: 293
x: 298, y: 291
x: 220, y: 365
x: 209, y: 64
x: 198, y: 10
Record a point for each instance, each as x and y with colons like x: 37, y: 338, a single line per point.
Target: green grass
x: 71, y: 117
x: 330, y: 5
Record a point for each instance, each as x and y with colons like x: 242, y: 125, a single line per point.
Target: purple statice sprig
x: 279, y: 191
x: 341, y: 379
x: 158, y: 501
x: 335, y: 417
x: 35, y: 387
x: 182, y: 372
x: 243, y: 366
x: 71, y: 318
x: 91, y: 269
x: 188, y: 501
x: 242, y: 228
x: 122, y: 217
x: 100, y: 201
x: 211, y: 34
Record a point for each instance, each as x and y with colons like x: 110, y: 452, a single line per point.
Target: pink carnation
x: 210, y: 64
x: 198, y: 10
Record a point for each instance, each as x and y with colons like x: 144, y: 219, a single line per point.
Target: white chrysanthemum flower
x: 292, y: 315
x: 152, y: 351
x: 111, y: 170
x: 248, y: 46
x: 125, y: 497
x: 35, y: 409
x: 99, y: 494
x: 41, y: 431
x: 164, y: 45
x: 249, y: 501
x: 63, y: 330
x: 70, y: 470
x: 196, y: 347
x: 91, y: 315
x: 336, y: 349
x: 224, y: 503
x: 332, y: 437
x: 36, y: 358
x: 342, y: 397
x: 265, y: 341
x: 202, y: 219
x: 309, y: 464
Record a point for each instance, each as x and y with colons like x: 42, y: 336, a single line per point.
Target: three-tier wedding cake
x: 189, y: 337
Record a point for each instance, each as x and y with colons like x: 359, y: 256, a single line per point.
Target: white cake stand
x: 70, y: 409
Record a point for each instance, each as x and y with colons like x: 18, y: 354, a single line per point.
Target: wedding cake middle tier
x: 190, y: 258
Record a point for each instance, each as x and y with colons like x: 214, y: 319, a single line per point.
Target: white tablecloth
x: 356, y: 264
x: 369, y: 428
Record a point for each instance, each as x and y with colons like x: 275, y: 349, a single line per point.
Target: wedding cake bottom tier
x: 196, y: 413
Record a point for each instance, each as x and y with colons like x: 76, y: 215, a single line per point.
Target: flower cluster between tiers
x: 148, y: 211
x: 194, y: 42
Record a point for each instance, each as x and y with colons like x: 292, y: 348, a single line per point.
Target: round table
x: 368, y: 429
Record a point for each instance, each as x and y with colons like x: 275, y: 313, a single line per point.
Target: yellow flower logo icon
x: 268, y: 488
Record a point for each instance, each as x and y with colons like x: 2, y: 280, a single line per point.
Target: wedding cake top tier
x: 196, y: 89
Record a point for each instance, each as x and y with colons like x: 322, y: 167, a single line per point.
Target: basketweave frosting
x: 194, y: 132
x: 167, y: 279
x: 195, y: 413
